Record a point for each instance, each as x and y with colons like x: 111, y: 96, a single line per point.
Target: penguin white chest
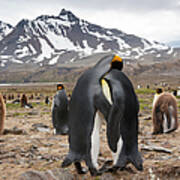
x: 95, y: 137
x: 156, y: 96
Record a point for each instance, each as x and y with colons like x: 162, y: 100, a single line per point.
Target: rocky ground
x: 29, y: 150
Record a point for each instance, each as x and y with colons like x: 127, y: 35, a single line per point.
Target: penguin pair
x: 60, y: 111
x: 103, y: 90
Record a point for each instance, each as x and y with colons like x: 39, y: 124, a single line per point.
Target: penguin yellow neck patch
x: 103, y: 82
x: 106, y: 90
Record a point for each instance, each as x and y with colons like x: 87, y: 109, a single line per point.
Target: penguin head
x: 159, y: 90
x: 60, y: 87
x: 117, y: 63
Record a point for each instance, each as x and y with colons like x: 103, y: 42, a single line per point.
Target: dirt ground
x: 33, y: 146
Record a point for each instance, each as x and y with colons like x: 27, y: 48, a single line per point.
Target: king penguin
x: 122, y: 126
x: 60, y: 111
x: 98, y: 92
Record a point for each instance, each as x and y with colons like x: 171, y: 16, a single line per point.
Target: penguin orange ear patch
x: 117, y: 63
x: 117, y: 59
x: 60, y: 87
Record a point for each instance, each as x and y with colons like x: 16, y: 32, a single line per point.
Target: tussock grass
x: 145, y: 106
x: 145, y: 91
x: 12, y: 106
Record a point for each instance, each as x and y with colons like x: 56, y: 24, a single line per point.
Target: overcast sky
x: 152, y: 19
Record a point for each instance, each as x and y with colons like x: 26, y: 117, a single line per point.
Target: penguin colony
x: 103, y: 89
x: 164, y: 112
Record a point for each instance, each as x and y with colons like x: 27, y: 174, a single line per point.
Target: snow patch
x: 87, y: 49
x: 170, y: 51
x: 46, y: 51
x: 20, y: 53
x: 72, y: 60
x: 32, y: 49
x: 16, y: 61
x: 23, y: 39
x: 53, y: 61
x: 5, y: 56
x: 158, y: 55
x: 3, y: 63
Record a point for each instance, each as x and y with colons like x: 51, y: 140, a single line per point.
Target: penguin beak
x: 117, y: 63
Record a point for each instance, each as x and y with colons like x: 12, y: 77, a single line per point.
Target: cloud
x: 127, y: 5
x: 152, y: 19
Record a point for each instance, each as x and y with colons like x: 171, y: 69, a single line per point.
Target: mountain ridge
x: 62, y: 39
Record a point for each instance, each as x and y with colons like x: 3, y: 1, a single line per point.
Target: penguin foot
x: 63, y: 131
x: 157, y: 132
x: 95, y: 172
x: 79, y: 168
x: 170, y: 130
x: 139, y: 167
x: 66, y: 163
x: 106, y: 166
x: 113, y: 169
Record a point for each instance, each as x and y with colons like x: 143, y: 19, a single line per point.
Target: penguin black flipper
x: 113, y: 127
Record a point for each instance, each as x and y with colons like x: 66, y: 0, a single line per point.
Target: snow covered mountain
x: 66, y: 38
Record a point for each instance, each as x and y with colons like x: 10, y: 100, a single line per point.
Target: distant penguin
x: 24, y: 102
x: 12, y: 96
x: 60, y: 111
x: 47, y: 100
x: 31, y: 97
x: 16, y: 101
x: 4, y: 97
x: 164, y: 112
x: 2, y: 114
x: 103, y: 89
x: 9, y: 97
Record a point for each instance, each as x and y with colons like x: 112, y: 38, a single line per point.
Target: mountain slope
x: 65, y: 38
x: 175, y: 44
